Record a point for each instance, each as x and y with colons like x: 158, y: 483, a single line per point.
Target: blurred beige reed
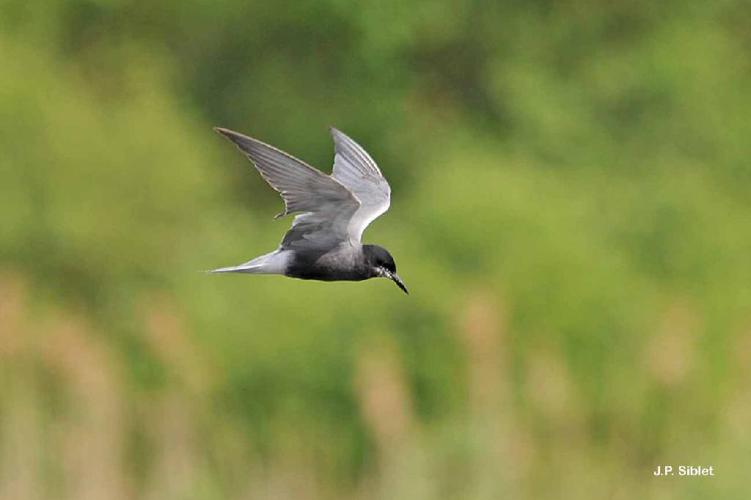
x: 71, y: 428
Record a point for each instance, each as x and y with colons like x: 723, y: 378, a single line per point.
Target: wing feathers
x: 334, y: 208
x: 354, y: 168
x: 326, y: 205
x: 356, y: 157
x: 303, y: 188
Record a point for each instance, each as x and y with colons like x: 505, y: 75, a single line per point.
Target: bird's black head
x: 381, y: 264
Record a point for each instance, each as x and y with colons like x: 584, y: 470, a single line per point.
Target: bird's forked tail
x: 270, y: 263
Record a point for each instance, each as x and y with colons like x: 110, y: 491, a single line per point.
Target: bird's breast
x: 342, y: 263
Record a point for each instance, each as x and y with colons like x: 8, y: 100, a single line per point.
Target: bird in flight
x: 324, y: 242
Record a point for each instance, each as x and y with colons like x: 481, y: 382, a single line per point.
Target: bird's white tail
x: 242, y: 268
x: 270, y: 263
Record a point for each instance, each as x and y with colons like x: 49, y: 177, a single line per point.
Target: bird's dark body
x: 340, y: 264
x: 346, y: 262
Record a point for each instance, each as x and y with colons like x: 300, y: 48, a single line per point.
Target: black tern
x: 324, y: 242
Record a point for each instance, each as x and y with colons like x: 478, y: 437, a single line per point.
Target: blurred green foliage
x: 570, y: 212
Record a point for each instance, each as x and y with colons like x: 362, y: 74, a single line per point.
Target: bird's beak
x: 396, y: 279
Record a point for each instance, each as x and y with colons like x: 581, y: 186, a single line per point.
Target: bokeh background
x: 570, y: 210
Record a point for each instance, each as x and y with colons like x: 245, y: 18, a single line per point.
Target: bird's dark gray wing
x: 327, y: 206
x: 354, y: 168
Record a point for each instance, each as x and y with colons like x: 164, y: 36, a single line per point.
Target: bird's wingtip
x: 223, y: 131
x: 236, y: 137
